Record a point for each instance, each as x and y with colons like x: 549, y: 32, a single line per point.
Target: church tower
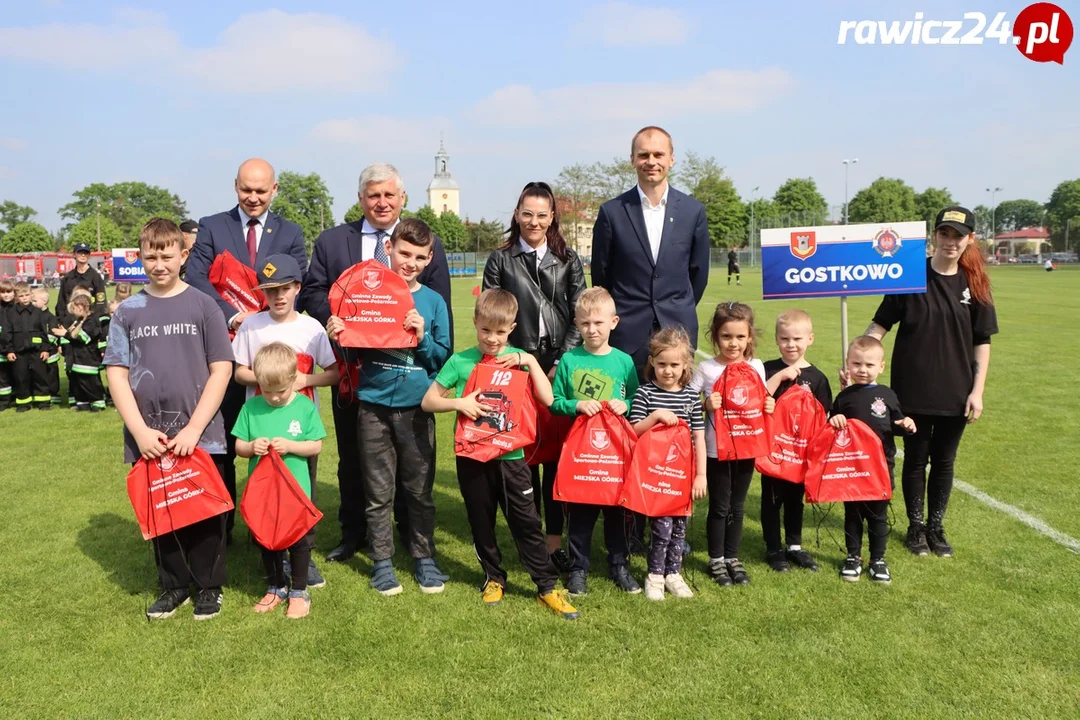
x: 443, y: 193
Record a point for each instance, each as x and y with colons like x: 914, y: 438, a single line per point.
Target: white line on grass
x: 1038, y: 525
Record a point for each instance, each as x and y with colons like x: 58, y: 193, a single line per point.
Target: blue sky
x: 178, y: 94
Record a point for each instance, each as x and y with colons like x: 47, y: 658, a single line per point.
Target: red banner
x: 846, y: 465
x: 373, y: 301
x: 797, y: 418
x: 509, y: 424
x: 275, y: 507
x: 173, y: 492
x: 595, y: 459
x: 661, y: 474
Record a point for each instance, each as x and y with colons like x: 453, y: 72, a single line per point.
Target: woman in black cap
x: 546, y: 277
x: 939, y: 365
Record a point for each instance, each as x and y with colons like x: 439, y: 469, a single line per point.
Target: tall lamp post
x: 847, y: 164
x: 750, y: 238
x: 993, y: 211
x: 843, y: 298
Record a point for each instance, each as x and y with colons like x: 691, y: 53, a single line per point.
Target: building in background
x: 443, y: 191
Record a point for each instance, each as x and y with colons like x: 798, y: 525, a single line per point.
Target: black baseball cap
x: 81, y: 248
x: 189, y: 226
x: 279, y: 270
x: 959, y: 218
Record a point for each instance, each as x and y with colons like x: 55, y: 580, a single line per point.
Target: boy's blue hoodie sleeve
x: 433, y: 351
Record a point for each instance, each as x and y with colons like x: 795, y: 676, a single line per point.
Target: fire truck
x: 42, y: 268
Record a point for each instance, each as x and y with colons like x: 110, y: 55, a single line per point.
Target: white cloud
x: 11, y: 143
x: 619, y: 24
x: 384, y: 134
x: 309, y: 52
x: 717, y: 91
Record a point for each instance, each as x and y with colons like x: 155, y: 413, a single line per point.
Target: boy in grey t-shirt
x: 168, y: 362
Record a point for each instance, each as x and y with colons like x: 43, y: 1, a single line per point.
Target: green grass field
x: 990, y: 633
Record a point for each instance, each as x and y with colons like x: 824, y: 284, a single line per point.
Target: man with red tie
x: 251, y: 233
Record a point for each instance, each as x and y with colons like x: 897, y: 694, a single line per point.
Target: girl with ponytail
x: 939, y: 365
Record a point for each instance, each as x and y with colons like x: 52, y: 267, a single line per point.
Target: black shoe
x: 22, y: 408
x: 879, y: 572
x: 44, y: 406
x: 314, y: 577
x: 624, y: 580
x: 342, y: 552
x: 208, y: 603
x: 576, y: 585
x: 935, y: 539
x: 718, y: 572
x: 802, y: 559
x: 778, y: 561
x: 852, y: 569
x: 916, y: 540
x: 167, y: 604
x: 561, y: 561
x: 82, y: 408
x: 738, y: 573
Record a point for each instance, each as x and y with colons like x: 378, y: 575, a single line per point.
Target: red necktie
x: 252, y: 250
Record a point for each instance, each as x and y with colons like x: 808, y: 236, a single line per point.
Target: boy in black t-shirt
x: 877, y: 406
x: 794, y: 334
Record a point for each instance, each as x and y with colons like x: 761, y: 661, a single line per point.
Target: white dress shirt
x: 368, y: 238
x: 541, y: 253
x: 654, y: 219
x: 258, y: 228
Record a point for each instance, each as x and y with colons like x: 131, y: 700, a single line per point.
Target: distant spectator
x: 190, y: 230
x: 1049, y: 265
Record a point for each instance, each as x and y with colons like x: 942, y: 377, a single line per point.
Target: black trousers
x: 193, y: 555
x: 935, y: 443
x: 780, y: 495
x: 399, y: 452
x: 30, y: 383
x: 299, y: 558
x: 875, y: 514
x: 544, y: 496
x: 52, y: 377
x: 233, y: 402
x: 729, y: 481
x: 580, y: 521
x: 7, y: 394
x: 86, y: 389
x: 487, y: 486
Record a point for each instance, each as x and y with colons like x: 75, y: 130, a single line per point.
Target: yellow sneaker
x: 493, y: 593
x: 559, y: 604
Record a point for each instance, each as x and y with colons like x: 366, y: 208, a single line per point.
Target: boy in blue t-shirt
x: 397, y: 435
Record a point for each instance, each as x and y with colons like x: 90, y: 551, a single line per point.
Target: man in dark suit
x: 651, y: 250
x: 382, y: 196
x: 251, y: 233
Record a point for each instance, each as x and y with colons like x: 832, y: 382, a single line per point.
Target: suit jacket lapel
x: 237, y: 234
x: 637, y: 220
x: 272, y: 226
x: 670, y: 212
x: 356, y: 242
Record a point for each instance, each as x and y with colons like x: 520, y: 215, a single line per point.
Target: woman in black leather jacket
x: 546, y: 277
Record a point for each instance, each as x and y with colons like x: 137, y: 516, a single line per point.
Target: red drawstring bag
x: 846, y: 465
x: 511, y: 422
x: 797, y: 418
x: 661, y: 473
x: 372, y: 300
x: 551, y: 431
x: 740, y: 421
x: 173, y: 492
x: 349, y: 372
x: 236, y: 283
x: 595, y: 459
x: 304, y: 364
x: 276, y: 509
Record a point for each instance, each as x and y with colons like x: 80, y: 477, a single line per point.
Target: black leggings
x: 544, y: 496
x: 875, y: 513
x: 729, y: 481
x: 777, y: 494
x: 936, y: 440
x: 299, y: 558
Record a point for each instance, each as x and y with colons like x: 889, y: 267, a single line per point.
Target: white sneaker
x: 677, y: 586
x: 654, y: 587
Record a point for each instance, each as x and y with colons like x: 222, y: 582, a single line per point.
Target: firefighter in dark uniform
x: 27, y: 350
x: 83, y: 274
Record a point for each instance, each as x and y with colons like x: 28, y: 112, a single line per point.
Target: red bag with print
x: 348, y: 371
x: 661, y: 473
x: 797, y: 418
x: 595, y: 459
x: 173, y: 492
x: 372, y: 300
x: 551, y: 431
x: 508, y: 425
x: 846, y: 465
x: 740, y: 421
x: 304, y: 364
x: 236, y: 283
x: 276, y: 509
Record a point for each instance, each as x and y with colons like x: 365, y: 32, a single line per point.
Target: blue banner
x: 127, y: 267
x: 838, y: 260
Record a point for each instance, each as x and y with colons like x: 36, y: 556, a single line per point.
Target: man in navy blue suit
x: 251, y: 233
x: 651, y: 250
x: 382, y: 196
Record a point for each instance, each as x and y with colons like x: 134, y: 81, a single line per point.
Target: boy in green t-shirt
x: 506, y: 480
x: 289, y: 422
x: 588, y: 376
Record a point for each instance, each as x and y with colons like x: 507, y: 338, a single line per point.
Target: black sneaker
x: 167, y: 604
x: 738, y: 573
x: 802, y: 559
x: 561, y: 561
x: 778, y: 562
x: 718, y: 572
x: 208, y: 603
x: 314, y: 577
x: 576, y: 585
x: 916, y: 540
x: 879, y: 572
x: 22, y: 408
x: 852, y: 569
x: 935, y: 540
x: 624, y: 580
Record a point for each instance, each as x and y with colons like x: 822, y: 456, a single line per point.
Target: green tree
x: 575, y: 194
x: 612, y: 178
x: 886, y: 200
x: 128, y: 204
x: 428, y: 215
x: 11, y: 214
x: 931, y: 201
x: 485, y: 235
x: 354, y: 213
x: 726, y: 213
x: 452, y: 231
x: 799, y: 198
x: 982, y: 221
x: 26, y: 237
x: 1063, y: 213
x: 304, y: 200
x: 85, y: 231
x: 1018, y: 214
x: 692, y: 169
